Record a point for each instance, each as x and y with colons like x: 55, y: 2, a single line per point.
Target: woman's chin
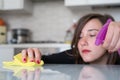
x: 88, y: 60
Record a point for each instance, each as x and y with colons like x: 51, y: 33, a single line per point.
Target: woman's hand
x: 33, y: 53
x: 112, y: 40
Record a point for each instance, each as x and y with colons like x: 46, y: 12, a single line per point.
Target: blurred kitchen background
x: 46, y: 23
x: 49, y: 20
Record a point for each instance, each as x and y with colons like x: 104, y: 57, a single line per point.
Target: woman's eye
x: 92, y: 35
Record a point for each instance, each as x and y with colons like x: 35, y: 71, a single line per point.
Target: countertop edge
x: 54, y: 45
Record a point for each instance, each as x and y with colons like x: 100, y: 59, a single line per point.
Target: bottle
x: 68, y: 37
x: 3, y: 32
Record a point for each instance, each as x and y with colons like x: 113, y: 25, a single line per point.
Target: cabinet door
x: 75, y: 2
x: 101, y: 2
x: 13, y: 4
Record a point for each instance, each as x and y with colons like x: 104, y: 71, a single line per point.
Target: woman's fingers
x: 37, y: 55
x: 108, y: 37
x: 24, y: 55
x: 111, y: 41
x: 30, y: 52
x: 33, y: 54
x: 115, y: 38
x: 117, y: 47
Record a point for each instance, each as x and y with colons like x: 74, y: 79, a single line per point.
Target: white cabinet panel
x: 90, y: 2
x: 101, y: 2
x: 16, y: 5
x: 75, y: 2
x: 13, y: 4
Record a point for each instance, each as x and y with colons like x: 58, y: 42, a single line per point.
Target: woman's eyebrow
x: 93, y: 30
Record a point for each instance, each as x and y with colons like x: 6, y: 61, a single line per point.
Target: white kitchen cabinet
x: 13, y: 4
x: 75, y: 2
x: 91, y: 2
x: 21, y: 5
x: 105, y: 2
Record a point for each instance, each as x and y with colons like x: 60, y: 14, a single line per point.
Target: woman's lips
x: 86, y: 51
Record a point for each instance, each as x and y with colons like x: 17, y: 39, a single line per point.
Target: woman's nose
x: 83, y: 41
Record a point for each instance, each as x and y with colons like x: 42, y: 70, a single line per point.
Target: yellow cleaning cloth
x: 18, y: 62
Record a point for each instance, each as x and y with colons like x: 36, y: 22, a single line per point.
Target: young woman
x: 83, y: 49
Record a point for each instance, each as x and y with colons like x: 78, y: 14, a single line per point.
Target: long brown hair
x: 80, y: 25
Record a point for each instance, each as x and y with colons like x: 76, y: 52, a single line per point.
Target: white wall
x: 50, y: 20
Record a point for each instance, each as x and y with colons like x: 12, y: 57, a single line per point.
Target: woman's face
x: 86, y: 45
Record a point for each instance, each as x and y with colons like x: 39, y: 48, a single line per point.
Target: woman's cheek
x: 91, y: 42
x: 79, y: 47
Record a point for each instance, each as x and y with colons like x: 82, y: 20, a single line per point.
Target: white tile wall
x: 50, y: 20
